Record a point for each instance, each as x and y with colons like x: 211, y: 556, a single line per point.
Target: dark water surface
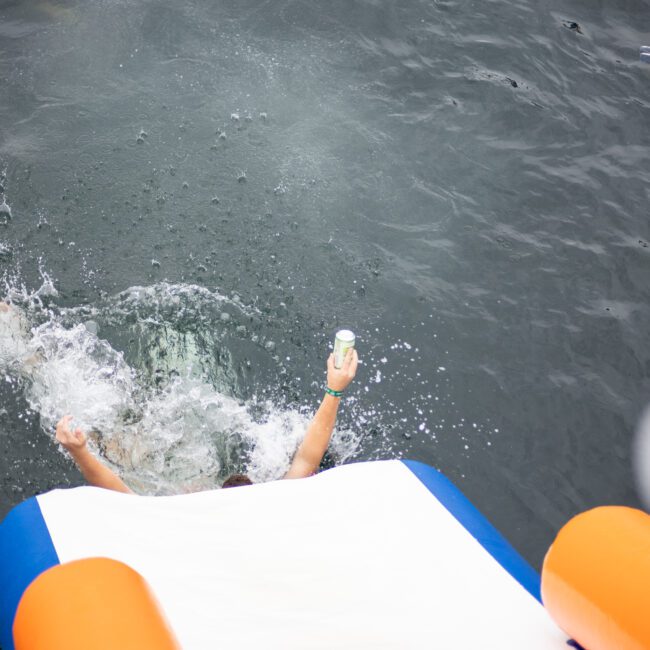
x: 464, y: 184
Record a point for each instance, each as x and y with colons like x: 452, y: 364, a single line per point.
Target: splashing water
x: 165, y: 410
x: 72, y: 371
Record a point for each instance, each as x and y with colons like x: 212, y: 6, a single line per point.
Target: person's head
x: 236, y: 480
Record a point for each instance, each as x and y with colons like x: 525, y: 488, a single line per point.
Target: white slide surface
x: 360, y: 556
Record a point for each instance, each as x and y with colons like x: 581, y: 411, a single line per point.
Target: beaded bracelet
x: 334, y: 393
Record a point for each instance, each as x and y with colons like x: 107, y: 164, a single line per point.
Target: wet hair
x: 236, y: 480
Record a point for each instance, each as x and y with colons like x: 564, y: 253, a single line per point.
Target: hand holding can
x: 338, y: 379
x: 343, y: 341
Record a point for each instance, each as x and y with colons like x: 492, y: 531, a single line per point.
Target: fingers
x: 62, y: 424
x: 72, y: 439
x: 351, y: 362
x: 348, y: 359
x: 63, y: 428
x: 354, y: 362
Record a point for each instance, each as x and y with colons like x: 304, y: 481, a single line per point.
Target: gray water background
x: 468, y: 178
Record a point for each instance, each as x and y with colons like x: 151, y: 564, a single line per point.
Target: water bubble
x: 92, y: 327
x: 224, y: 317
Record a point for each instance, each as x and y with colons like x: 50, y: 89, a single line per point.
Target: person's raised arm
x: 93, y: 470
x: 317, y: 438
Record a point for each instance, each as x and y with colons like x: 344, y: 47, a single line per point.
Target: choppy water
x: 196, y: 195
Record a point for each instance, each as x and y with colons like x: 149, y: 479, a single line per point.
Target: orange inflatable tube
x: 91, y: 604
x: 596, y: 579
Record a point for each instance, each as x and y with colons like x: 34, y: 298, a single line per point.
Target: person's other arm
x: 92, y: 469
x: 317, y: 438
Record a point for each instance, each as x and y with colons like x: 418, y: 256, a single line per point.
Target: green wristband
x: 334, y: 393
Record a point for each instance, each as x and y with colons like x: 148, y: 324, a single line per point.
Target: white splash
x: 185, y: 433
x: 72, y: 371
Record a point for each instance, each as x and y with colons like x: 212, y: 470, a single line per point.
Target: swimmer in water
x: 306, y: 461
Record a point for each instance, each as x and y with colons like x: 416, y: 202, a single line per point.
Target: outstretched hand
x: 93, y: 470
x: 72, y: 440
x: 340, y: 378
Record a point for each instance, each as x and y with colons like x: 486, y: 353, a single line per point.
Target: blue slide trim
x: 478, y: 526
x: 26, y: 550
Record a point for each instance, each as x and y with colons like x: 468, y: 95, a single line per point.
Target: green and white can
x: 342, y: 343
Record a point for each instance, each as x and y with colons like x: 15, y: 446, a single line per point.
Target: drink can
x: 342, y: 343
